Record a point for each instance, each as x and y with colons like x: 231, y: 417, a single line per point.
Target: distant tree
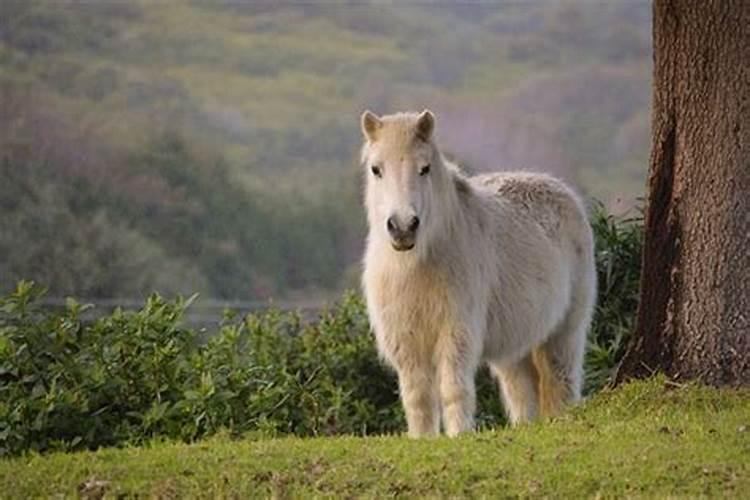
x: 694, y: 315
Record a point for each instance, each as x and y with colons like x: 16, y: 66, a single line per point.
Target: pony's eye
x: 376, y: 171
x: 424, y: 170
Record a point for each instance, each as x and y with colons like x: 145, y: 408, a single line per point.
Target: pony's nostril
x: 391, y: 225
x: 414, y: 224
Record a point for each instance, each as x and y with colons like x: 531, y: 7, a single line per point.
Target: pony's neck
x: 457, y: 191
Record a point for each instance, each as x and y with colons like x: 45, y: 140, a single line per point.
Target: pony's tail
x: 551, y: 387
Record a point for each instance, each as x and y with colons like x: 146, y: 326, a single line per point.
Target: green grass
x: 645, y: 439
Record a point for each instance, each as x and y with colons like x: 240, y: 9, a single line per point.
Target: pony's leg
x: 519, y: 389
x: 553, y: 390
x: 458, y: 397
x: 456, y: 370
x: 419, y: 397
x: 560, y: 359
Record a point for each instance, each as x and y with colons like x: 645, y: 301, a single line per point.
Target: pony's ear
x: 425, y: 125
x: 370, y: 125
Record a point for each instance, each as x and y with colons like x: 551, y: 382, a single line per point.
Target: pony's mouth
x: 402, y: 246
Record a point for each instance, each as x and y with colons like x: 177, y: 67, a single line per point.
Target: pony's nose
x: 397, y: 231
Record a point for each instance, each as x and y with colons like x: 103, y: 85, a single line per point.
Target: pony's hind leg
x: 518, y: 386
x: 419, y: 397
x: 554, y: 390
x: 559, y: 360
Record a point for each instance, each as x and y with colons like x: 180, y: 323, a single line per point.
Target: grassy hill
x: 646, y: 439
x: 212, y: 147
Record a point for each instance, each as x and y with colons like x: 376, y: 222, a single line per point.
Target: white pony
x: 497, y: 268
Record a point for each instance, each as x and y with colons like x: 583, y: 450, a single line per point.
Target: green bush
x: 131, y: 376
x: 619, y: 242
x: 126, y: 377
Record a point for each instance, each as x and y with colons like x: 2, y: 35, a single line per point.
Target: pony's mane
x: 460, y: 178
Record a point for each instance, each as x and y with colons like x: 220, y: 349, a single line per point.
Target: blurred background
x: 211, y: 147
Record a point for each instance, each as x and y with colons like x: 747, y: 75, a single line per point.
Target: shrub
x: 132, y: 376
x: 619, y: 242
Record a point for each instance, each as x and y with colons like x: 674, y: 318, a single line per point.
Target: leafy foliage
x: 132, y: 376
x: 619, y: 242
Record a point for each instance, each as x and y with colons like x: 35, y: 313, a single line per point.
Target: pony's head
x: 406, y: 178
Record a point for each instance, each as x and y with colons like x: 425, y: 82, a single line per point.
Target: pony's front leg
x: 419, y: 397
x: 456, y: 370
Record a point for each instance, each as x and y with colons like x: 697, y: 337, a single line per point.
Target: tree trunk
x: 694, y: 314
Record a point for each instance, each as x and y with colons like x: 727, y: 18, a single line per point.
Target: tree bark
x: 694, y: 315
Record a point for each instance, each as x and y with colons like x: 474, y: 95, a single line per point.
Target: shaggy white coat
x: 502, y: 272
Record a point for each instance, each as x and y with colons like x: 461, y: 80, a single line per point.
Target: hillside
x: 188, y: 146
x: 647, y: 439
